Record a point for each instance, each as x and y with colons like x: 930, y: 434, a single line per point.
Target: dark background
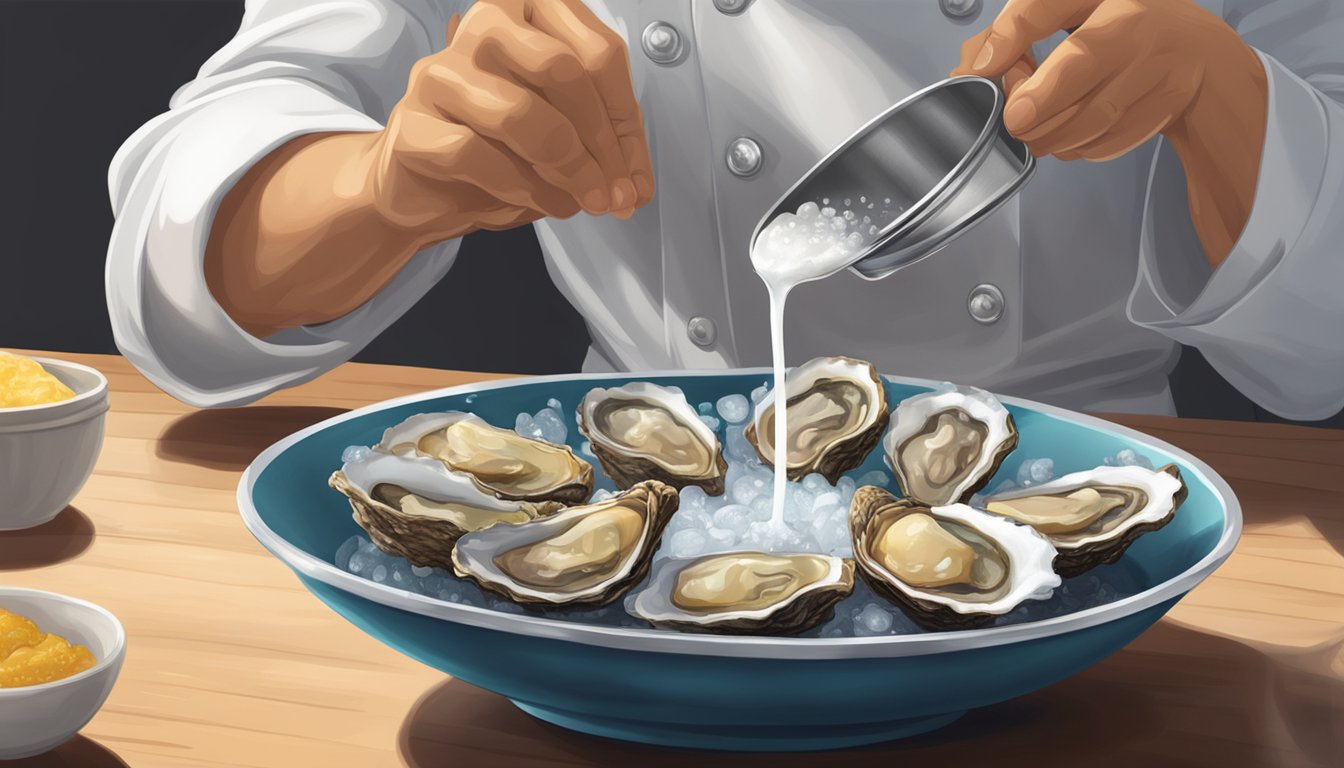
x: 79, y: 76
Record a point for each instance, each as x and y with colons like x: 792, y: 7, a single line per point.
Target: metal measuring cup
x: 943, y: 157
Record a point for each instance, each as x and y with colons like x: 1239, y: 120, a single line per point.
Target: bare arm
x: 528, y: 113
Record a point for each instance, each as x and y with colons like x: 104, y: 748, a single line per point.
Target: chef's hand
x: 1129, y: 70
x: 529, y: 112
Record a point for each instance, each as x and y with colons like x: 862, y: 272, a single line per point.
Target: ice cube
x: 876, y: 477
x: 733, y: 517
x: 687, y: 543
x: 350, y: 547
x: 872, y: 620
x: 553, y: 404
x: 355, y: 453
x: 710, y: 422
x: 734, y: 408
x: 380, y: 573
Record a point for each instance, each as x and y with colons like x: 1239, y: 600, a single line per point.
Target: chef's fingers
x: 1140, y: 123
x: 1020, y: 24
x: 1078, y: 66
x: 1098, y: 113
x: 454, y: 22
x: 501, y: 41
x: 603, y: 53
x: 1017, y: 75
x: 518, y: 119
x: 431, y: 147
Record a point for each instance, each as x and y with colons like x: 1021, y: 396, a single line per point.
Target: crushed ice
x: 816, y: 520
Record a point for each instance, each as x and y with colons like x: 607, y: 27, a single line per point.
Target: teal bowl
x: 726, y: 692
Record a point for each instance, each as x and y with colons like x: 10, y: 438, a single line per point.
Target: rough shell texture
x: 657, y: 501
x: 422, y: 541
x: 1069, y: 563
x: 844, y: 455
x: 911, y: 414
x: 628, y: 471
x: 812, y: 607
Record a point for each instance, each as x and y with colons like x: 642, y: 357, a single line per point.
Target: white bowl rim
x: 109, y: 659
x: 98, y: 390
x: 737, y: 646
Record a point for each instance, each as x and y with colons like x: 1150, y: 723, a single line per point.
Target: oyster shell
x: 437, y: 476
x: 744, y: 592
x: 1092, y: 517
x: 951, y: 566
x: 837, y: 411
x: 586, y: 555
x: 945, y: 445
x: 642, y: 431
x: 499, y: 461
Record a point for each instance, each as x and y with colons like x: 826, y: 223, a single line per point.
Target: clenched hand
x: 528, y: 112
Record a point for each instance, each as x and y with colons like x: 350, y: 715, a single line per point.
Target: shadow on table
x: 1205, y: 701
x: 62, y: 538
x: 79, y: 752
x: 230, y: 438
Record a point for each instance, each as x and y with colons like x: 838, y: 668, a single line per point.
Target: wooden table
x: 232, y: 663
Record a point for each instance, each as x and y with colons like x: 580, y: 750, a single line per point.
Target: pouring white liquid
x: 795, y: 248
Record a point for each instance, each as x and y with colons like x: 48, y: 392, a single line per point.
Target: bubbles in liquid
x: 863, y: 199
x: 828, y: 212
x: 808, y: 211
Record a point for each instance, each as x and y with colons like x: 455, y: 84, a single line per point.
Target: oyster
x: 436, y: 476
x: 498, y: 461
x: 587, y: 555
x: 949, y: 567
x: 744, y: 592
x: 1092, y: 517
x: 642, y: 431
x: 945, y: 445
x: 837, y: 411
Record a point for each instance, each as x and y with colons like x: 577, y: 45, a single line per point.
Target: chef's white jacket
x: 1097, y: 265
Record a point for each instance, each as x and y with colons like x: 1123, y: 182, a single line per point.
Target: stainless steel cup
x: 943, y: 158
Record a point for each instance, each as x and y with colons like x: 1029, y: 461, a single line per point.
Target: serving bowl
x: 729, y: 692
x: 37, y: 718
x: 47, y: 452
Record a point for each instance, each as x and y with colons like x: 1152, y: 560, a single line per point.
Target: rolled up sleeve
x: 1270, y: 318
x: 294, y: 68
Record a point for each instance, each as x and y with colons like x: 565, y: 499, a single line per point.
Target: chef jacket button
x: 662, y: 43
x: 702, y: 331
x: 731, y: 7
x: 985, y: 303
x: 959, y: 9
x: 744, y: 157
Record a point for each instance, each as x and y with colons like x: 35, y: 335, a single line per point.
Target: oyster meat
x: 948, y: 567
x: 945, y: 445
x: 1092, y: 517
x: 436, y: 476
x: 642, y: 431
x: 585, y: 555
x: 499, y: 461
x: 744, y: 592
x: 837, y: 411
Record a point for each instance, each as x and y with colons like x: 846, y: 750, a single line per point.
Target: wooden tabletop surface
x: 232, y: 663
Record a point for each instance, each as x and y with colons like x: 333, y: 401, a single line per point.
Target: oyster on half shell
x: 642, y: 431
x: 948, y: 567
x: 945, y: 445
x: 585, y: 555
x: 437, y: 476
x: 744, y: 592
x: 1093, y: 516
x: 499, y: 461
x: 837, y: 411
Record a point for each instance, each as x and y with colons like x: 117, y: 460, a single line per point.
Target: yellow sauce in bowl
x: 29, y: 656
x: 25, y: 382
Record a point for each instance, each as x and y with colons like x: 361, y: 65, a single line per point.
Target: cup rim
x: 74, y: 403
x: 109, y: 659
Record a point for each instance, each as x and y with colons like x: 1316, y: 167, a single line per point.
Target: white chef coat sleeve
x: 1270, y: 318
x: 295, y: 67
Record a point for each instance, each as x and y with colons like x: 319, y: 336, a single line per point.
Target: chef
x: 315, y: 179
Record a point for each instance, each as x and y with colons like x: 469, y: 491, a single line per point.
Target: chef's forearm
x: 297, y: 240
x: 1220, y: 139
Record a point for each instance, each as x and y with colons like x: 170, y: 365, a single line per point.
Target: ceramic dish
x: 728, y: 692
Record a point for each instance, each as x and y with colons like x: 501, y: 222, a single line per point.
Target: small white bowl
x: 37, y: 718
x: 47, y: 452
